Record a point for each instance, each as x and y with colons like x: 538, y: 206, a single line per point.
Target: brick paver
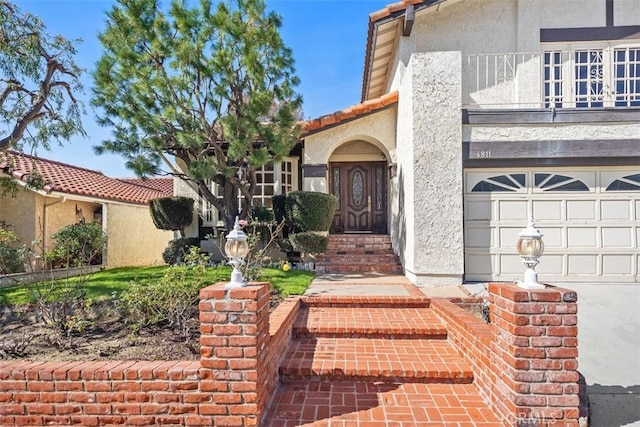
x: 370, y: 322
x: 374, y: 358
x: 370, y: 404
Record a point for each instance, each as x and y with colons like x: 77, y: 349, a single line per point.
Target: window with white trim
x: 580, y: 76
x: 271, y: 179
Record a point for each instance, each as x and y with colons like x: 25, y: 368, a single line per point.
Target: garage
x: 589, y: 216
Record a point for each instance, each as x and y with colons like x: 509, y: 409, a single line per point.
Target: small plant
x: 177, y: 249
x: 12, y: 255
x: 173, y: 300
x: 261, y: 236
x: 15, y: 345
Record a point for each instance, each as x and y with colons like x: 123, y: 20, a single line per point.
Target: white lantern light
x: 236, y: 248
x: 530, y: 247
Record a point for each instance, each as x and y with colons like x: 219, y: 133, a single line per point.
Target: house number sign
x: 483, y: 154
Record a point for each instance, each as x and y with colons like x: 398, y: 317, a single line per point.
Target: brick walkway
x: 374, y: 361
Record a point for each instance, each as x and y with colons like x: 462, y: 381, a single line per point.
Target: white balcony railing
x: 581, y: 78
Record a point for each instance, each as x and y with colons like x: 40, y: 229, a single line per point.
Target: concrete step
x: 369, y: 321
x: 374, y: 359
x: 374, y: 404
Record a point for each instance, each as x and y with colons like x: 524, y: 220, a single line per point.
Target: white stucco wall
x: 430, y: 222
x: 551, y: 131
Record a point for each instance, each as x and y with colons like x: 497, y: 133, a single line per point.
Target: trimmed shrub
x: 309, y: 211
x: 309, y: 243
x: 178, y: 248
x: 172, y: 213
x: 78, y: 244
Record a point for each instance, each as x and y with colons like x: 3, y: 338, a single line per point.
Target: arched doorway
x: 357, y: 177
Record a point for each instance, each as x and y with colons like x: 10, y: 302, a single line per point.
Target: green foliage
x: 78, y: 244
x: 11, y: 252
x: 39, y: 82
x: 173, y: 300
x: 62, y: 306
x: 261, y: 235
x: 172, y: 213
x: 178, y: 248
x: 211, y: 84
x: 279, y: 202
x: 309, y: 211
x: 309, y: 243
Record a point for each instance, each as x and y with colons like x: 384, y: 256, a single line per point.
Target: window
x: 587, y: 77
x: 552, y: 182
x: 504, y: 183
x: 271, y: 179
x: 626, y: 183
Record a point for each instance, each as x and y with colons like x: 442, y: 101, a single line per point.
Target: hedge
x: 309, y: 211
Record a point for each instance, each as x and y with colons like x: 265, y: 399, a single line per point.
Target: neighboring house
x: 72, y: 195
x: 476, y: 115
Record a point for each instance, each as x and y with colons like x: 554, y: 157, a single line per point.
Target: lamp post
x: 530, y: 247
x: 236, y: 249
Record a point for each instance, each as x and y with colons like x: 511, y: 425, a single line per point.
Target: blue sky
x: 327, y: 37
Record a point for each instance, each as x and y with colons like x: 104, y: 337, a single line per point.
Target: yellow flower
x: 285, y: 266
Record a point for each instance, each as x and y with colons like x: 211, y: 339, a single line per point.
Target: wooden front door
x: 362, y: 197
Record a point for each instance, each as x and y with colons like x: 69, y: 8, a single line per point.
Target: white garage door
x: 590, y: 219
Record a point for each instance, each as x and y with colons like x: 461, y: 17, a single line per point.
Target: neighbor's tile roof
x: 392, y: 8
x: 164, y: 185
x: 70, y: 179
x: 350, y: 113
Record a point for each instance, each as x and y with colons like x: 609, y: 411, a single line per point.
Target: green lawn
x: 105, y: 283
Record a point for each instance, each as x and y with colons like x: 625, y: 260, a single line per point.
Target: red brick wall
x: 229, y: 386
x: 524, y: 362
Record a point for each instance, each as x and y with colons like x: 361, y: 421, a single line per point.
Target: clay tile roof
x: 164, y: 185
x: 70, y: 179
x: 391, y: 9
x: 350, y: 113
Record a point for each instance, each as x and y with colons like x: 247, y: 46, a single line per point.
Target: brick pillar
x: 534, y: 354
x: 234, y: 326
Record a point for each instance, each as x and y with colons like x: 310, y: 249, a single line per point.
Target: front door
x: 361, y: 192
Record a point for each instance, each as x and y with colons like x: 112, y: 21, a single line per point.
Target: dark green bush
x: 78, y: 244
x: 309, y: 243
x: 261, y: 214
x: 177, y: 248
x: 309, y: 211
x: 172, y: 213
x: 11, y: 255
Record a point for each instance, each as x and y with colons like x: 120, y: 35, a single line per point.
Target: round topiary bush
x: 310, y: 211
x: 309, y: 243
x: 172, y: 213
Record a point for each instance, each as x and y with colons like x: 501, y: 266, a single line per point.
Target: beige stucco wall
x: 132, y: 239
x: 19, y: 212
x: 54, y: 213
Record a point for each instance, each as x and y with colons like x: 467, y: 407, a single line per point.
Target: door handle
x: 369, y: 203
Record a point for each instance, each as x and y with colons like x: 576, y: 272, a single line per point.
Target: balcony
x: 594, y: 77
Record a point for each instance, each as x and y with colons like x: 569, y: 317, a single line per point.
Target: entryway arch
x: 358, y: 178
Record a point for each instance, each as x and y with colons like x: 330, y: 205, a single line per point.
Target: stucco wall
x: 54, y: 213
x: 132, y: 239
x: 19, y: 212
x: 551, y: 131
x: 431, y: 128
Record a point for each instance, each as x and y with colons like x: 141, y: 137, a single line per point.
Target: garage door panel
x: 581, y: 210
x: 481, y: 237
x: 617, y: 237
x: 551, y: 264
x: 511, y: 265
x: 637, y: 209
x: 482, y: 264
x: 479, y: 210
x: 510, y: 210
x: 582, y: 264
x: 582, y: 237
x: 547, y: 210
x: 553, y: 237
x: 617, y: 264
x: 509, y: 237
x: 615, y: 210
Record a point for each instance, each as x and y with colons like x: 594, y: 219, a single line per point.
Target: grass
x: 103, y: 284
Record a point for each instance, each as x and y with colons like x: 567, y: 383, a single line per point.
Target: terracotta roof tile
x: 71, y: 179
x: 164, y: 185
x: 350, y: 113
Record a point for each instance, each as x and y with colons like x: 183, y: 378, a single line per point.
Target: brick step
x: 369, y: 322
x: 370, y: 239
x: 355, y: 301
x: 374, y: 359
x: 361, y: 268
x: 352, y: 258
x: 367, y: 250
x: 371, y: 404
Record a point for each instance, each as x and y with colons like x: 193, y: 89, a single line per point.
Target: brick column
x: 534, y: 354
x: 234, y: 326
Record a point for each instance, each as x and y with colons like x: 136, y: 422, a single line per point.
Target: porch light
x: 236, y: 249
x: 530, y: 247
